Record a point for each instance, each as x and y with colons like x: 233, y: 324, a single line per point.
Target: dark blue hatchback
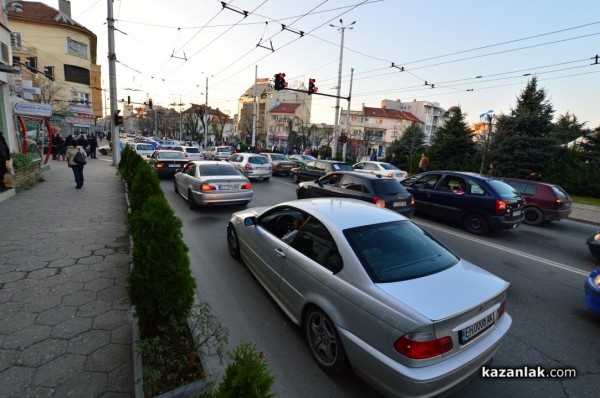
x: 478, y: 202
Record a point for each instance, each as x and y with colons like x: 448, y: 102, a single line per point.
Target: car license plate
x: 399, y: 204
x: 473, y: 330
x: 228, y: 187
x: 517, y: 213
x: 173, y: 165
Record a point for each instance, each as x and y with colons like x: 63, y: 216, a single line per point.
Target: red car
x: 543, y: 201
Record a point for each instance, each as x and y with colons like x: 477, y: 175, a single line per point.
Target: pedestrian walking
x: 4, y: 161
x: 72, y: 150
x: 424, y: 163
x: 93, y: 142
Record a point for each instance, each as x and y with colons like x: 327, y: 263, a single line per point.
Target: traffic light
x: 49, y: 72
x: 118, y: 119
x: 150, y: 103
x: 280, y: 82
x: 128, y: 99
x: 344, y: 137
x: 31, y: 64
x: 311, y: 87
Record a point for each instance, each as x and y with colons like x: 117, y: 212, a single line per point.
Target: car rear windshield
x: 387, y: 166
x: 192, y: 150
x: 171, y: 155
x: 227, y: 149
x: 388, y: 186
x: 561, y: 193
x: 258, y: 160
x: 278, y: 157
x: 341, y: 167
x: 398, y: 251
x: 218, y: 170
x: 145, y: 147
x: 503, y: 189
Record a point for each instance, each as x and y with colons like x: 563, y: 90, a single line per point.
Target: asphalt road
x: 546, y: 267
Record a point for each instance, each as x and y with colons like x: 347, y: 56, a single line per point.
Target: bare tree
x: 51, y: 93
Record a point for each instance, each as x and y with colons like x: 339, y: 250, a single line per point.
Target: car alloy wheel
x: 295, y: 178
x: 476, y: 224
x: 175, y: 186
x: 533, y: 216
x: 233, y: 243
x: 324, y: 341
x: 190, y: 199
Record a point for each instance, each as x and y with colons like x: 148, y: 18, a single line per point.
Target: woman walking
x: 72, y: 149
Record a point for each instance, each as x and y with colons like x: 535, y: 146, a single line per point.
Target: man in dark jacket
x: 93, y: 145
x: 4, y: 156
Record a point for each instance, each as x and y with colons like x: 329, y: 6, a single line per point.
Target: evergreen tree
x: 591, y: 147
x: 567, y: 129
x: 522, y: 142
x: 408, y: 146
x: 453, y: 146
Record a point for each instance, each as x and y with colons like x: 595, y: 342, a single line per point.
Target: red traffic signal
x: 280, y: 82
x: 150, y: 103
x: 311, y: 86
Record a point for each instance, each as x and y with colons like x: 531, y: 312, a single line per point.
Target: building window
x: 79, y: 97
x: 15, y: 40
x: 77, y: 74
x: 77, y: 48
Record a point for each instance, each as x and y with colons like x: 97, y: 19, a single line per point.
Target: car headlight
x: 597, y: 236
x: 596, y: 280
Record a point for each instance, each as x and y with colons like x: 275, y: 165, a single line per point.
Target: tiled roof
x: 260, y: 88
x: 285, y: 107
x: 389, y: 114
x: 40, y: 12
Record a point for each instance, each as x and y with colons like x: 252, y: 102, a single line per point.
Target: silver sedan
x: 373, y: 290
x: 206, y: 182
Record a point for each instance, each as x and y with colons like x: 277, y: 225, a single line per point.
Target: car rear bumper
x: 500, y: 222
x: 257, y: 174
x: 396, y: 380
x: 212, y: 198
x: 553, y: 214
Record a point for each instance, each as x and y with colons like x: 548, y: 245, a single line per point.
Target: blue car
x: 592, y: 291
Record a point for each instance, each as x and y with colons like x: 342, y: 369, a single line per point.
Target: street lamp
x: 180, y: 118
x: 340, y: 28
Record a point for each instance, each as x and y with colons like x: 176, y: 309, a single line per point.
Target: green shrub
x: 130, y: 162
x: 248, y: 376
x: 20, y: 160
x: 160, y: 285
x: 145, y: 184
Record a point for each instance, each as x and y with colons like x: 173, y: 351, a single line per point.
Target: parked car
x: 252, y: 165
x: 204, y: 183
x: 380, y: 168
x: 592, y: 291
x: 480, y: 203
x: 217, y: 152
x: 372, y: 289
x: 165, y: 163
x: 315, y: 169
x: 279, y: 163
x: 543, y: 201
x: 190, y: 152
x: 381, y: 191
x: 144, y: 149
x: 593, y: 243
x: 301, y: 159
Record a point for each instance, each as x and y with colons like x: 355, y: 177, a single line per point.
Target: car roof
x: 344, y: 212
x: 525, y: 181
x: 366, y: 176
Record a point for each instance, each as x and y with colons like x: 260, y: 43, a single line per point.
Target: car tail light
x: 378, y: 201
x: 559, y: 203
x: 500, y: 207
x: 423, y: 345
x: 248, y: 166
x: 412, y: 201
x: 246, y: 186
x: 185, y: 154
x: 501, y: 310
x: 207, y: 187
x: 160, y: 165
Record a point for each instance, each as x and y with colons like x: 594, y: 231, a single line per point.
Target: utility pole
x: 112, y: 73
x: 254, y: 108
x: 345, y: 146
x: 206, y: 115
x: 336, y: 126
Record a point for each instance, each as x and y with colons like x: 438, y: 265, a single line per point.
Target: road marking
x: 512, y: 251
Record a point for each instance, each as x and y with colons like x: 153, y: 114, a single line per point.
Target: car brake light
x: 422, y: 345
x: 160, y: 165
x: 185, y: 154
x: 248, y: 166
x: 501, y: 310
x: 500, y: 207
x: 246, y: 186
x: 378, y: 201
x: 559, y: 203
x: 207, y: 187
x: 412, y: 201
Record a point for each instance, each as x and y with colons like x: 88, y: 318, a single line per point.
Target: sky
x: 476, y: 54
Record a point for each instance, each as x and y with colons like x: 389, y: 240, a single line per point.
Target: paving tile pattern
x: 65, y: 320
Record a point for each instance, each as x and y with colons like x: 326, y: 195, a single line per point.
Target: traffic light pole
x: 112, y: 74
x: 325, y: 95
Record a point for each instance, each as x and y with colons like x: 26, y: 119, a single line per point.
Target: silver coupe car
x: 212, y: 182
x: 373, y: 290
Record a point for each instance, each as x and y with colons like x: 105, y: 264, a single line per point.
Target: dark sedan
x: 318, y: 168
x: 478, y: 202
x: 166, y: 163
x: 381, y: 191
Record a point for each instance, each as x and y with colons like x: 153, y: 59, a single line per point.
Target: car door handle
x: 279, y: 253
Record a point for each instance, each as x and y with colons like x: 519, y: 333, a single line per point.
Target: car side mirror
x: 248, y: 221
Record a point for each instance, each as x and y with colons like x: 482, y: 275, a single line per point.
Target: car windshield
x: 171, y: 155
x: 341, y: 167
x: 398, y: 251
x: 503, y: 189
x: 278, y: 157
x: 145, y: 147
x: 224, y: 169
